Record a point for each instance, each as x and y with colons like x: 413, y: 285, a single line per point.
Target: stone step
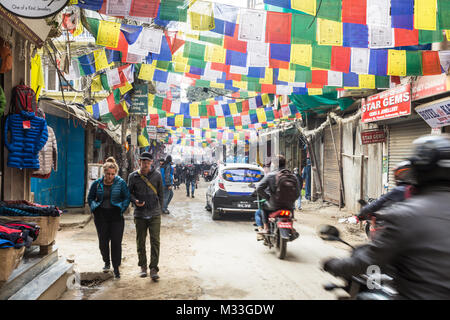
x: 48, y: 285
x: 31, y: 265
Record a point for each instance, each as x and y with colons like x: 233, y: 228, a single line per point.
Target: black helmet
x: 431, y: 159
x: 404, y: 173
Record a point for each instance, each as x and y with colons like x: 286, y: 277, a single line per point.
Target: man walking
x: 167, y: 179
x: 191, y: 177
x: 146, y: 190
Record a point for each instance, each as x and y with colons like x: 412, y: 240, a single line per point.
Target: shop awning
x: 320, y: 103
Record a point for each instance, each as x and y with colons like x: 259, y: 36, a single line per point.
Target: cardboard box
x: 9, y: 260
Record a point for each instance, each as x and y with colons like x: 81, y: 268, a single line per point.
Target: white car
x: 229, y: 190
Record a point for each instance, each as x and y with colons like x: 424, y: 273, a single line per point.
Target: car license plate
x: 244, y: 205
x: 285, y: 225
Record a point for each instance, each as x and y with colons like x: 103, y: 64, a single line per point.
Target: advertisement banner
x: 436, y: 113
x: 428, y: 86
x: 388, y: 104
x: 373, y: 136
x: 139, y: 104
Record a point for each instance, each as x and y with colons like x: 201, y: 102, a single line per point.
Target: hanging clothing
x: 37, y: 75
x: 29, y: 134
x: 48, y: 156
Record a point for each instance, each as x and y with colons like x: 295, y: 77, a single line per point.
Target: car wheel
x: 215, y: 213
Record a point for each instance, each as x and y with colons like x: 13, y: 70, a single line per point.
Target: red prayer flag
x: 144, y: 8
x: 237, y: 121
x: 232, y: 43
x: 190, y: 75
x: 234, y: 76
x: 166, y: 105
x: 268, y: 88
x: 340, y: 59
x: 314, y: 86
x: 319, y: 77
x: 354, y: 11
x: 211, y: 111
x: 245, y: 106
x: 103, y: 8
x: 172, y: 40
x: 195, y: 123
x: 278, y: 27
x: 116, y: 109
x: 220, y: 67
x: 278, y: 64
x: 405, y: 37
x: 431, y: 63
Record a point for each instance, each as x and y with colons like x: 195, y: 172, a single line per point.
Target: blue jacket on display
x: 28, y: 136
x: 120, y: 195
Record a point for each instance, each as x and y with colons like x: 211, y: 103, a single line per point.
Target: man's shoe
x: 143, y: 272
x: 106, y: 268
x: 154, y: 274
x: 116, y: 273
x: 187, y: 195
x: 193, y: 196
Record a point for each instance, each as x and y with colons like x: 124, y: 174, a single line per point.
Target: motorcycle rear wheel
x: 281, y: 245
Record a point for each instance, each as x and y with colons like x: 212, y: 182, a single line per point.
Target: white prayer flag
x: 252, y: 25
x: 378, y: 13
x: 335, y: 78
x: 151, y: 40
x: 381, y: 37
x: 113, y: 77
x: 103, y: 107
x: 118, y: 8
x: 360, y: 60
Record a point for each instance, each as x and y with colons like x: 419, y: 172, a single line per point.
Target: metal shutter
x: 331, y: 178
x: 401, y: 137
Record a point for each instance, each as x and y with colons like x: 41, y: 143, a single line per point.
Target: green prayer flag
x: 303, y: 29
x: 414, y: 63
x: 444, y: 14
x: 104, y: 80
x: 173, y: 10
x: 194, y: 51
x: 329, y: 9
x: 431, y: 36
x: 382, y: 82
x: 321, y: 57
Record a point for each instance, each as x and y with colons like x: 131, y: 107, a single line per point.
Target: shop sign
x: 428, y: 86
x: 436, y: 113
x: 388, y: 104
x: 36, y: 9
x: 373, y: 136
x: 139, y: 103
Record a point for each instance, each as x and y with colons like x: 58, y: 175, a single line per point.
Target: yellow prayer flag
x: 268, y: 79
x: 307, y: 6
x: 329, y: 32
x: 215, y: 54
x: 193, y: 110
x: 367, y: 81
x: 147, y: 71
x: 143, y: 142
x: 220, y: 122
x: 101, y: 61
x: 179, y: 120
x: 301, y: 54
x: 201, y: 15
x: 78, y: 30
x: 315, y: 91
x: 265, y: 99
x: 37, y: 75
x: 108, y: 34
x: 125, y: 88
x: 286, y: 75
x: 240, y: 84
x: 124, y: 107
x: 447, y: 33
x: 151, y: 98
x: 233, y: 108
x: 73, y: 2
x: 96, y: 84
x: 217, y: 85
x: 396, y: 63
x: 261, y: 114
x: 90, y: 109
x: 425, y: 14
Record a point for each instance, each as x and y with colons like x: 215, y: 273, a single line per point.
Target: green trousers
x: 153, y: 226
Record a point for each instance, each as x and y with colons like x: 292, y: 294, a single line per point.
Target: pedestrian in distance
x: 300, y: 181
x: 108, y: 199
x: 191, y: 178
x: 146, y: 189
x: 166, y: 171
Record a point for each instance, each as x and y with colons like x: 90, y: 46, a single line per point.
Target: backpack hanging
x: 23, y: 99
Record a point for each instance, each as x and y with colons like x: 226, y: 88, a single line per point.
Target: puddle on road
x: 86, y: 284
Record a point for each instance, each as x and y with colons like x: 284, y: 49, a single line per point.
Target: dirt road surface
x: 205, y: 259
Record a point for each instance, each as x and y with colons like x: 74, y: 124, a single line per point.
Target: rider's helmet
x: 404, y: 173
x: 431, y: 159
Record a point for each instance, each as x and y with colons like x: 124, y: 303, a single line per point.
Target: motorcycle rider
x: 414, y: 241
x: 267, y: 189
x: 405, y: 188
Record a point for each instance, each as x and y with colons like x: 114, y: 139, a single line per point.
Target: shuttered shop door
x: 331, y: 184
x: 401, y: 137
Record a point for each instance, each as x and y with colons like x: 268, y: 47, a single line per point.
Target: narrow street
x: 205, y: 259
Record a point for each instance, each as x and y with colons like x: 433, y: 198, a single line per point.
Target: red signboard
x: 373, y: 136
x: 388, y: 104
x: 428, y: 86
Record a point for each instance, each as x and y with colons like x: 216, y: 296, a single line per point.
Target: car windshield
x: 242, y: 175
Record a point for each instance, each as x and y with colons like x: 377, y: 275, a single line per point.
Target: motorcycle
x: 371, y: 224
x: 375, y: 286
x: 281, y: 229
x: 206, y: 176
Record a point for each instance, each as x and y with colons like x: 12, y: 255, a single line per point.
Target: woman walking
x: 108, y: 199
